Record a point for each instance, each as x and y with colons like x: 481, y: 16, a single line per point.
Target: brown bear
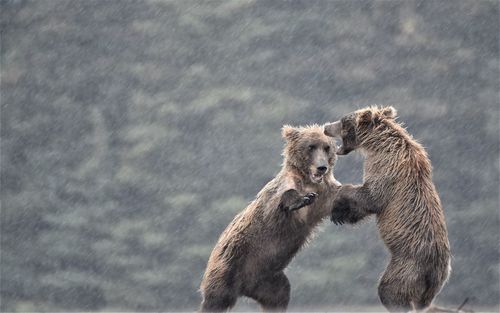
x: 397, y: 188
x: 252, y: 252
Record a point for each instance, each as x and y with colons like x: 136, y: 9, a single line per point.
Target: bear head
x: 355, y: 127
x: 309, y: 151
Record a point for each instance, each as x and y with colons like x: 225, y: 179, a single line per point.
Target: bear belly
x: 278, y: 251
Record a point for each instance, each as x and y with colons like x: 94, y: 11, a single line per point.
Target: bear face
x: 354, y: 128
x: 309, y: 151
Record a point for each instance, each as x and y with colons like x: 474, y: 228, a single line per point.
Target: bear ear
x: 389, y: 112
x: 289, y: 133
x: 366, y: 116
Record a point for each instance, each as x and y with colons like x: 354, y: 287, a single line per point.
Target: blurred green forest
x: 132, y: 132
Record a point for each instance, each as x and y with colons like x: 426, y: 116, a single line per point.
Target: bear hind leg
x: 392, y: 298
x: 218, y: 302
x: 430, y: 284
x: 272, y: 293
x: 406, y: 286
x: 392, y: 289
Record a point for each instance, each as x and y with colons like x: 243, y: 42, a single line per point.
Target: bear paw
x: 303, y: 201
x: 309, y: 198
x: 340, y: 212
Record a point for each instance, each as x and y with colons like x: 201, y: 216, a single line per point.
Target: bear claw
x: 309, y: 198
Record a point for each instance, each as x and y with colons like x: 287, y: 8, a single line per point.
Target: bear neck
x: 393, y: 144
x: 294, y: 169
x: 386, y: 137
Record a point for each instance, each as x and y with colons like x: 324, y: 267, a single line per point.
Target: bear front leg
x: 291, y: 200
x: 351, y: 205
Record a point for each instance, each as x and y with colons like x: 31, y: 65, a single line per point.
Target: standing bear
x: 397, y: 188
x: 252, y: 252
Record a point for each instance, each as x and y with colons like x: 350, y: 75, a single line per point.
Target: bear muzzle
x: 333, y: 129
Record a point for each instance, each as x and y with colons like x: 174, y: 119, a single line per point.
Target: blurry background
x: 132, y: 132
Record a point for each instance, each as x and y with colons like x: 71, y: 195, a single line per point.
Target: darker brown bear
x: 398, y: 188
x: 251, y: 254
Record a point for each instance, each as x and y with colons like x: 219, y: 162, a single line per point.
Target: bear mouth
x: 316, y: 177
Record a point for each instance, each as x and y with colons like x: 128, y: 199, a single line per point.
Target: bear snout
x: 333, y: 129
x: 321, y: 169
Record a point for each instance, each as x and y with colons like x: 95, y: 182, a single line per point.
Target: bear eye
x: 327, y: 149
x: 312, y: 147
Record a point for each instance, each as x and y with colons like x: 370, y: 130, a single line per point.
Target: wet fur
x: 251, y: 254
x: 398, y: 188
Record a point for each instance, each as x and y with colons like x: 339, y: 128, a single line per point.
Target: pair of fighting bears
x: 251, y: 254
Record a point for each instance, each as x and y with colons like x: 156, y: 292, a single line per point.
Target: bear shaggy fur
x: 398, y: 188
x: 252, y: 252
